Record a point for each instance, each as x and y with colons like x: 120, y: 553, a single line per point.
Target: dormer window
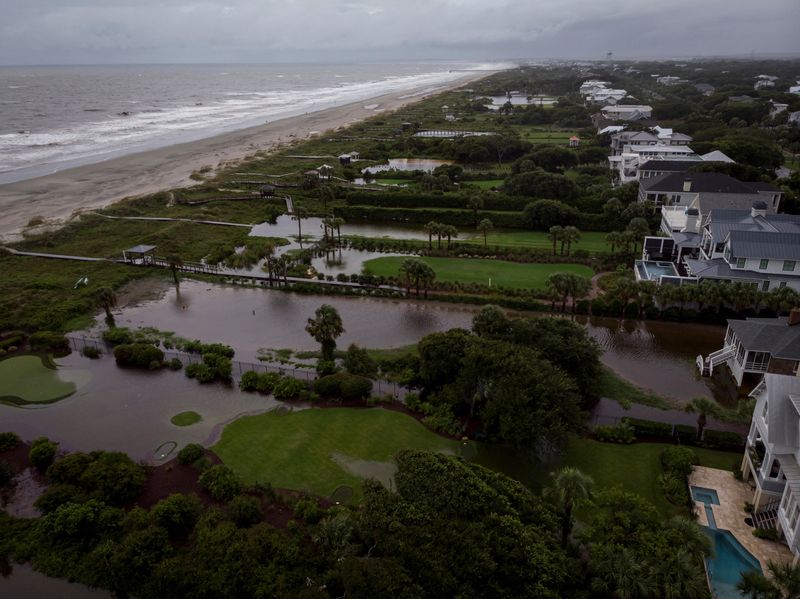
x: 741, y: 262
x: 764, y: 264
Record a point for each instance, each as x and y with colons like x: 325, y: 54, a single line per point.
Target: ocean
x: 56, y: 117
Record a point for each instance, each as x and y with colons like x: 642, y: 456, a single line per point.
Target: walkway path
x: 176, y: 220
x: 609, y: 412
x: 595, y: 290
x: 55, y: 256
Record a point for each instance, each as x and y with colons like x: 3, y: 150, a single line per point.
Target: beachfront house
x: 675, y: 192
x: 627, y: 112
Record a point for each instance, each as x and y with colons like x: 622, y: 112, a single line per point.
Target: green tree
x: 703, y: 407
x: 299, y: 214
x: 639, y: 228
x: 431, y: 228
x: 570, y: 235
x: 491, y: 322
x: 325, y: 328
x: 783, y: 582
x: 475, y: 203
x: 358, y: 361
x: 42, y: 453
x: 555, y: 234
x: 327, y: 193
x: 570, y: 487
x: 175, y: 263
x: 485, y: 227
x: 178, y: 513
x: 108, y: 299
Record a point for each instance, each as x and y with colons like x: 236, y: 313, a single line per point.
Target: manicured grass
x: 506, y: 274
x: 635, y: 467
x: 186, y: 419
x: 488, y: 184
x: 591, y: 241
x: 31, y: 379
x: 300, y: 450
x: 615, y: 387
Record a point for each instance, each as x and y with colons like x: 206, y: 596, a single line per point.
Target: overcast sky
x: 136, y: 31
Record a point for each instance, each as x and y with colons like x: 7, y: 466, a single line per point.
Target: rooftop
x: 765, y: 244
x: 719, y: 269
x: 722, y: 221
x: 700, y: 183
x: 666, y: 166
x: 773, y: 335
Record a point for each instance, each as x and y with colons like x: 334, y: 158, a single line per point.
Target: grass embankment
x: 38, y: 292
x: 513, y: 275
x: 590, y: 241
x: 186, y: 419
x: 319, y: 450
x: 633, y: 467
x: 31, y: 379
x: 615, y: 387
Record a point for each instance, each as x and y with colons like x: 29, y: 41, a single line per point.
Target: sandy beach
x: 58, y: 196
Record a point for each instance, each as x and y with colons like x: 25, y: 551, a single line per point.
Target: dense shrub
x: 175, y: 364
x: 198, y: 347
x: 679, y: 460
x: 649, y: 428
x: 343, y: 384
x: 249, y: 381
x: 674, y: 488
x: 221, y: 482
x: 768, y: 534
x: 190, y: 453
x: 42, y: 453
x: 307, y: 509
x: 9, y: 441
x: 49, y: 341
x: 621, y: 433
x: 459, y: 218
x: 405, y: 199
x: 178, y: 513
x: 110, y: 476
x: 91, y: 352
x: 722, y: 439
x: 358, y: 361
x: 57, y: 495
x: 139, y: 355
x: 288, y: 388
x: 202, y: 372
x: 118, y: 335
x: 6, y: 473
x: 686, y: 433
x: 245, y: 510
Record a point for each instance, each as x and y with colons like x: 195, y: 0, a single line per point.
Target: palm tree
x: 571, y: 235
x: 299, y: 215
x: 557, y: 287
x: 614, y: 239
x: 555, y: 234
x: 338, y: 222
x: 638, y: 228
x: 485, y: 227
x: 619, y: 573
x: 108, y: 299
x: 703, y: 407
x: 570, y: 486
x: 475, y: 203
x: 782, y: 298
x: 430, y: 229
x: 282, y: 265
x: 625, y: 290
x: 678, y: 576
x: 439, y: 232
x: 426, y: 277
x: 408, y: 271
x: 325, y: 327
x: 326, y: 194
x: 450, y: 231
x: 175, y: 263
x: 783, y: 582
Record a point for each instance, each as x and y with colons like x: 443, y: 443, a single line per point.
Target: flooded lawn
x: 24, y: 582
x: 33, y: 379
x: 408, y: 164
x: 286, y: 226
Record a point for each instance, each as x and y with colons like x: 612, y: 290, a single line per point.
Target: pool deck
x: 730, y: 514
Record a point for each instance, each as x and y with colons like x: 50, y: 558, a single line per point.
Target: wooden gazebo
x: 140, y: 254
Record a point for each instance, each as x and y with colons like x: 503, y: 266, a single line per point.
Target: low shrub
x: 288, y: 388
x: 249, y: 381
x: 768, y: 534
x: 343, y: 384
x: 245, y: 510
x: 674, y: 488
x: 9, y: 441
x: 649, y: 428
x: 49, y: 341
x: 139, y: 355
x: 723, y: 440
x: 202, y: 372
x: 90, y: 352
x: 118, y: 335
x: 621, y: 433
x: 221, y: 482
x: 679, y: 460
x: 42, y: 453
x: 308, y: 510
x: 190, y: 454
x: 267, y: 382
x: 686, y: 434
x: 57, y: 495
x: 175, y: 364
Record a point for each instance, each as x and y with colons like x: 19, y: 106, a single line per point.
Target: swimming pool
x: 704, y: 495
x: 730, y: 561
x: 649, y: 270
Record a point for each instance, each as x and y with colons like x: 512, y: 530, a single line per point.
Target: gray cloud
x: 55, y: 31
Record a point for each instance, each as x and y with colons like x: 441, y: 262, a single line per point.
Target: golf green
x: 32, y: 379
x: 321, y: 449
x: 514, y: 275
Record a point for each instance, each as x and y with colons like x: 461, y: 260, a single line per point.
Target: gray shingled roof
x: 765, y: 244
x: 701, y: 183
x: 667, y: 166
x: 775, y: 337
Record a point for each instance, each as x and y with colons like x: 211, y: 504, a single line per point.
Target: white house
x: 627, y: 112
x: 795, y: 89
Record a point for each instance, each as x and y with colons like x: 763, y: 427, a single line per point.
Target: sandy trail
x: 58, y: 196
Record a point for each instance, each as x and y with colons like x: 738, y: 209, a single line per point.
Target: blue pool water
x: 730, y: 561
x: 703, y: 495
x: 712, y: 522
x: 652, y: 271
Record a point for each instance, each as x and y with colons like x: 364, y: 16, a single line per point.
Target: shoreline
x: 58, y: 196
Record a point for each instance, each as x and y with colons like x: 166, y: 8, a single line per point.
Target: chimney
x: 759, y: 209
x: 794, y: 317
x: 687, y: 185
x: 692, y: 216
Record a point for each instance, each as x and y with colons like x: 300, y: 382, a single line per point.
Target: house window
x: 740, y: 262
x: 788, y: 265
x: 764, y: 264
x: 782, y: 285
x: 757, y: 360
x: 765, y: 286
x: 728, y: 255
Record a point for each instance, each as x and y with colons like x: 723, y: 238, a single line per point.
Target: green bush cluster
x: 190, y: 454
x: 722, y: 440
x: 263, y: 382
x: 768, y: 534
x: 221, y: 482
x: 197, y: 347
x: 139, y: 355
x: 621, y: 433
x: 245, y: 510
x: 42, y: 453
x: 459, y: 218
x: 90, y: 352
x: 344, y: 385
x: 9, y: 441
x: 214, y: 367
x: 405, y: 199
x: 118, y: 335
x: 290, y: 388
x: 677, y: 463
x: 649, y: 428
x: 49, y: 341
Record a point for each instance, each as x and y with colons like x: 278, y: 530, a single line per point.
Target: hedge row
x: 404, y: 199
x: 459, y: 218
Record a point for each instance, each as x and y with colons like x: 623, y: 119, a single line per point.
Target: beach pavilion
x: 140, y: 254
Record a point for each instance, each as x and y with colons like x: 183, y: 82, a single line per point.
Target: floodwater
x: 408, y: 164
x: 286, y: 226
x: 23, y: 582
x: 253, y: 318
x: 120, y: 409
x: 347, y: 261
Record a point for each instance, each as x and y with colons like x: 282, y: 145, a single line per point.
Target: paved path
x: 609, y: 411
x: 175, y: 220
x: 55, y: 256
x: 595, y: 290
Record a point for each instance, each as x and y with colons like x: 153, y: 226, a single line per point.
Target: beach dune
x: 58, y: 196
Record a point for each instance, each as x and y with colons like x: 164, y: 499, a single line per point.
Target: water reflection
x: 23, y: 582
x: 408, y: 164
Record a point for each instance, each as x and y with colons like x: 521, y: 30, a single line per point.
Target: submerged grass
x: 615, y: 387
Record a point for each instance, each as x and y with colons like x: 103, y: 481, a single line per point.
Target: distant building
x: 795, y: 89
x: 670, y: 80
x: 705, y: 88
x: 705, y: 191
x: 627, y: 112
x: 744, y: 99
x: 574, y: 141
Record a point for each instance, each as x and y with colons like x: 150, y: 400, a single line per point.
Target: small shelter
x: 140, y: 254
x: 325, y: 171
x: 574, y: 141
x: 406, y: 126
x: 267, y: 191
x: 344, y: 159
